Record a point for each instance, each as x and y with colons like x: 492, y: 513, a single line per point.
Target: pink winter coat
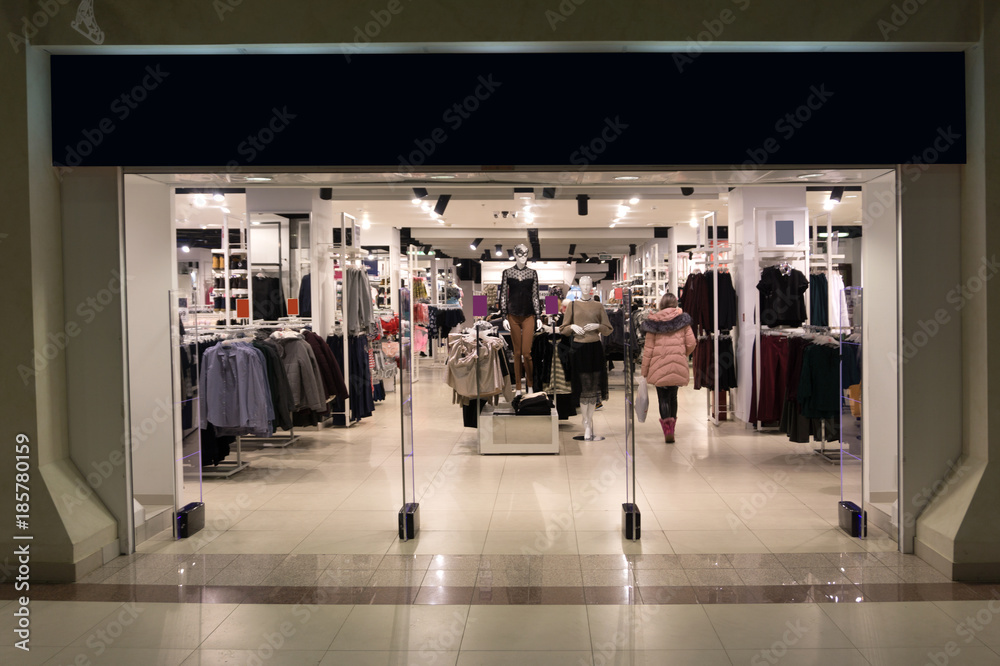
x: 669, y: 342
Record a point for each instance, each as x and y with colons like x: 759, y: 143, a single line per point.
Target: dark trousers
x: 666, y: 396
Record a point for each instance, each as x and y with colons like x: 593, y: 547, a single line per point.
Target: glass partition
x: 853, y: 516
x: 409, y: 516
x: 187, y: 473
x: 630, y: 510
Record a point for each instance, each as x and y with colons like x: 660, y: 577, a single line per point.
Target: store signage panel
x: 583, y: 110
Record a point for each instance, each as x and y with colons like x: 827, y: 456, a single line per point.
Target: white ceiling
x: 385, y: 200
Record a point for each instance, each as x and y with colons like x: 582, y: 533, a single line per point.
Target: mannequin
x: 521, y: 312
x: 586, y: 321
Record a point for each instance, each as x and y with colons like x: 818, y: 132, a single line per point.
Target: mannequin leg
x: 588, y: 419
x: 515, y: 342
x: 527, y: 338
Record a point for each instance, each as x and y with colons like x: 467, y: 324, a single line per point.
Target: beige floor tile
x: 684, y: 627
x: 57, y: 624
x: 293, y: 627
x: 382, y: 658
x: 256, y: 541
x: 901, y: 624
x: 716, y: 541
x: 171, y: 626
x: 345, y: 542
x: 274, y: 658
x: 406, y: 628
x: 803, y: 657
x: 283, y: 521
x: 547, y: 628
x: 434, y: 542
x: 955, y: 655
x: 101, y: 653
x: 775, y: 627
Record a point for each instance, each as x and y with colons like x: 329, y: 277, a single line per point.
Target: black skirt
x: 590, y: 371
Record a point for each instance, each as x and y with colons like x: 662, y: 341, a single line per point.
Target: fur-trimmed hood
x: 666, y: 321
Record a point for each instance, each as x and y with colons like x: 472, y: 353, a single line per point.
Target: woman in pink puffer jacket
x: 669, y: 343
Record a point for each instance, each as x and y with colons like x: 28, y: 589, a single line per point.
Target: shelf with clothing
x: 710, y: 299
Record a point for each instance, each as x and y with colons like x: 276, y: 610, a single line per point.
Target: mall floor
x: 519, y: 560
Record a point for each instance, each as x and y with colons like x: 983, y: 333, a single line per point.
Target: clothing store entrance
x: 264, y: 256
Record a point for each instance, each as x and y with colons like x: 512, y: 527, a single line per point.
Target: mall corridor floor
x: 518, y: 560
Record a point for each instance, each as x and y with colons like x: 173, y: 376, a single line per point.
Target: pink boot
x: 668, y: 430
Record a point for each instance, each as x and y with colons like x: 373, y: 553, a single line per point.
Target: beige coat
x: 669, y: 342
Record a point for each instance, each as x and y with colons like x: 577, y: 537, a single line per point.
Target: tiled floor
x: 519, y: 559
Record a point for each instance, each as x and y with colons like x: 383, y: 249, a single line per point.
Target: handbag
x: 642, y: 400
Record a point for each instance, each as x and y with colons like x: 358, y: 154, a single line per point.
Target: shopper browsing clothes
x: 669, y: 343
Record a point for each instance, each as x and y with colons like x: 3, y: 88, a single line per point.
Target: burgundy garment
x: 773, y: 379
x: 329, y: 370
x: 701, y: 364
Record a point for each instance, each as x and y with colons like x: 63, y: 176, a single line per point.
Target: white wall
x: 746, y: 269
x: 880, y: 378
x: 324, y: 295
x: 150, y: 262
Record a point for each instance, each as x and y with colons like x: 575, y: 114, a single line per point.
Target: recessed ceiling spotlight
x: 366, y: 223
x: 694, y: 224
x: 218, y: 196
x: 204, y: 226
x: 829, y: 205
x: 415, y: 201
x: 851, y: 196
x: 185, y: 248
x: 426, y: 207
x: 626, y: 177
x: 634, y: 200
x: 809, y: 175
x: 443, y: 177
x: 255, y: 222
x: 199, y: 200
x: 623, y: 210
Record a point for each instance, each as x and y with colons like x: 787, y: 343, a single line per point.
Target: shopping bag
x: 642, y: 400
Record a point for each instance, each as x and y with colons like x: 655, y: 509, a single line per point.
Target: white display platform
x: 502, y: 431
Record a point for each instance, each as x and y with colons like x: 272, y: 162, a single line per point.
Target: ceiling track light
x: 836, y: 194
x: 582, y: 207
x: 687, y: 191
x: 548, y: 193
x: 510, y: 254
x: 572, y: 249
x: 474, y: 245
x: 442, y: 203
x: 499, y: 250
x: 585, y: 256
x: 419, y: 192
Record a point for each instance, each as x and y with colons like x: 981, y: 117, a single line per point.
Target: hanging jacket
x: 669, y: 342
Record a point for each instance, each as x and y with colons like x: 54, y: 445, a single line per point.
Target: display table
x: 502, y: 431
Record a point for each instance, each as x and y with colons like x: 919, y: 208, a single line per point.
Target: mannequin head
x: 521, y: 255
x: 586, y: 288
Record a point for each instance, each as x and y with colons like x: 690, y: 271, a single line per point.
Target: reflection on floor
x: 519, y: 560
x: 718, y: 489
